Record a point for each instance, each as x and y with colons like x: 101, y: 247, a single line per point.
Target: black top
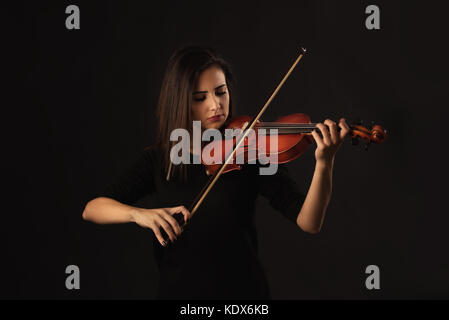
x: 216, y: 255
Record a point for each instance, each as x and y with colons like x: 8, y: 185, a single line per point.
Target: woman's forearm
x: 311, y: 216
x: 107, y: 211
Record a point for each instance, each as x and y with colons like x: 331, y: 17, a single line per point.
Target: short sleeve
x: 134, y: 182
x: 282, y: 193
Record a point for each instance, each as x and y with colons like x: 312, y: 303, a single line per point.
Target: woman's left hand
x: 328, y: 145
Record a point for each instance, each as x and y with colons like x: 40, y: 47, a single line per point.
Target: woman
x: 216, y: 257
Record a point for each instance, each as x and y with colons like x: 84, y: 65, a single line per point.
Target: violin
x: 294, y: 136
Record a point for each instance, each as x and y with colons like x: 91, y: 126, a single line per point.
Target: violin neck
x: 288, y: 128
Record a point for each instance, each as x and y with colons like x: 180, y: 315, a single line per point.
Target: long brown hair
x: 174, y: 105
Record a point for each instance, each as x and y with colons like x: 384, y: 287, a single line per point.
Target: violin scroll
x: 377, y: 134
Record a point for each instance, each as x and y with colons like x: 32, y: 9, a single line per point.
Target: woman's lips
x: 216, y: 118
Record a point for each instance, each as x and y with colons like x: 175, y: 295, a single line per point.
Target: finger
x: 167, y: 228
x: 335, y: 137
x: 172, y: 221
x: 159, y: 236
x: 318, y: 140
x: 325, y: 133
x: 345, y: 130
x: 185, y: 212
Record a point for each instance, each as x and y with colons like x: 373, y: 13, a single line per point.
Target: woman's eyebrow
x: 222, y: 85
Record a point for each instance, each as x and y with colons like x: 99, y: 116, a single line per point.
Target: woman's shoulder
x: 148, y: 156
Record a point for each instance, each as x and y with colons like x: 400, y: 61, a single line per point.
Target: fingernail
x: 164, y: 243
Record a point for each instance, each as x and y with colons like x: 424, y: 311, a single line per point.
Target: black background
x: 79, y: 106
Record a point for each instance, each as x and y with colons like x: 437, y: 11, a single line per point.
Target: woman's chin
x: 215, y: 125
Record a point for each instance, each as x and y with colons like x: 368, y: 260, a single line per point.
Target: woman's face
x: 210, y: 99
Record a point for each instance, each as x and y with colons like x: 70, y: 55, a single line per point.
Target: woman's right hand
x: 161, y: 218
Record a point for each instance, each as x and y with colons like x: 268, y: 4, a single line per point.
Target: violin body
x: 290, y: 144
x: 293, y: 138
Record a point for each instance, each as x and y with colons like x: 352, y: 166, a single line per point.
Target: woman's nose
x: 215, y: 104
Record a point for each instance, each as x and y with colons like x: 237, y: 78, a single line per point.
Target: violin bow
x: 207, y: 188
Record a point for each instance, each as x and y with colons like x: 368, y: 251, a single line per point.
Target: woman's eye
x: 221, y: 93
x: 199, y: 98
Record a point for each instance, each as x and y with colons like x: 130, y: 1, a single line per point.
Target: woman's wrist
x: 324, y: 165
x: 133, y: 212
